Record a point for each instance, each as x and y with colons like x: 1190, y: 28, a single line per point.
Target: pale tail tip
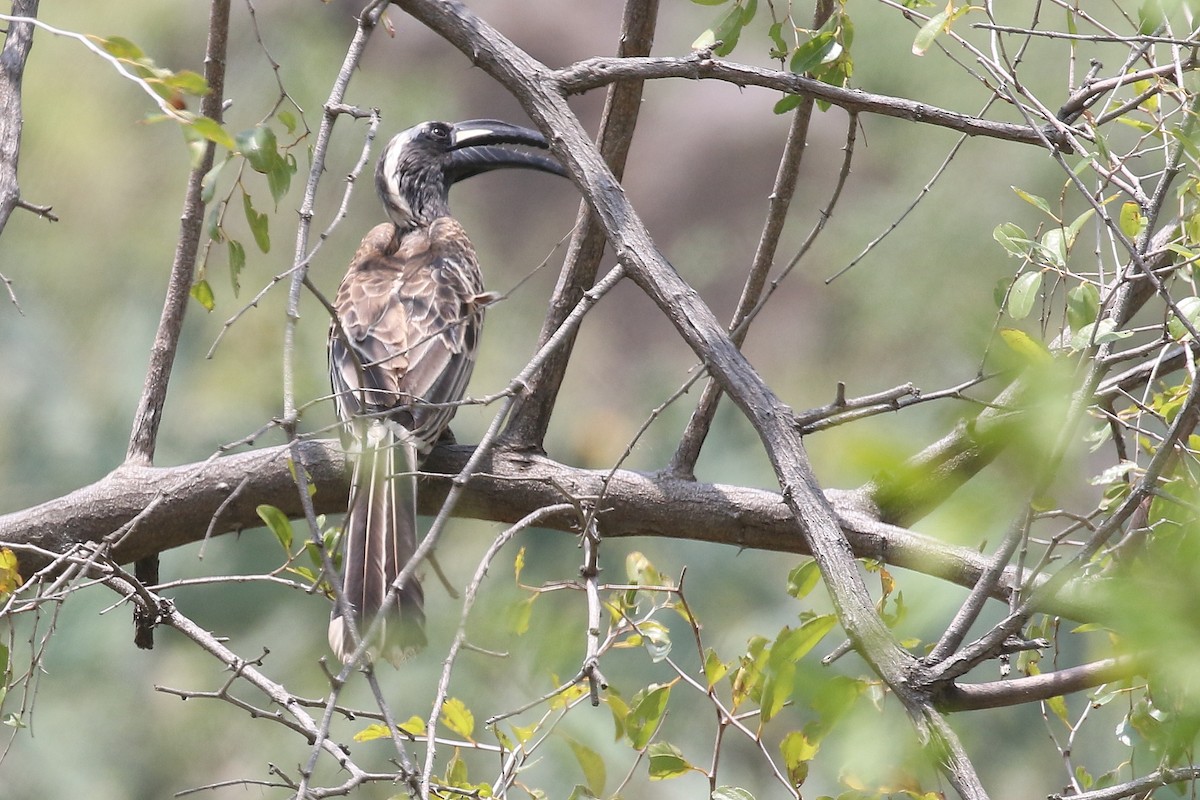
x: 395, y: 652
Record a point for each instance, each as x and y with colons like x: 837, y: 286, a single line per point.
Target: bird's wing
x: 410, y: 313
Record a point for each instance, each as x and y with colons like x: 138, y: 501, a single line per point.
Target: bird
x: 402, y: 345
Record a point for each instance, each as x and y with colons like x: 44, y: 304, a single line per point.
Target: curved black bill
x: 475, y: 149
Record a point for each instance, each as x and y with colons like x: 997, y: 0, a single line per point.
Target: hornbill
x: 401, y: 349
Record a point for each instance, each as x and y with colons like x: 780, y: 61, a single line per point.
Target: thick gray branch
x: 166, y: 507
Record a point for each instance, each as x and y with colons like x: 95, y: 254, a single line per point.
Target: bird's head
x: 419, y: 165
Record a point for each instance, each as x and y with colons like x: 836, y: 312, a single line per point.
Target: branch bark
x: 596, y: 72
x: 12, y: 71
x: 154, y: 509
x: 531, y: 414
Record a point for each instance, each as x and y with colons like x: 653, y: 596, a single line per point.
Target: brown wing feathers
x: 409, y: 328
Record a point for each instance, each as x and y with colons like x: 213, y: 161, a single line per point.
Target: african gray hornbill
x: 401, y: 349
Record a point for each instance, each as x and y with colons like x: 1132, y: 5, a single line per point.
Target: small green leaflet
x: 237, y: 262
x: 1023, y: 294
x: 1035, y: 201
x: 278, y: 522
x: 258, y: 224
x: 1083, y: 305
x: 936, y: 25
x: 647, y: 712
x: 666, y: 761
x: 1131, y: 221
x: 592, y: 765
x: 803, y: 579
x: 202, y: 293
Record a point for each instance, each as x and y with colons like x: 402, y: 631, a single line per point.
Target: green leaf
x: 710, y: 2
x: 237, y: 262
x: 279, y: 524
x: 645, y: 714
x: 778, y: 685
x: 1189, y: 308
x: 666, y: 761
x: 640, y: 571
x: 519, y: 614
x: 259, y: 148
x: 208, y: 184
x: 831, y: 702
x: 211, y: 130
x: 288, y: 120
x: 714, y: 668
x: 373, y: 731
x: 1012, y: 238
x: 792, y: 645
x: 730, y: 793
x: 279, y: 178
x: 1023, y: 294
x: 1054, y: 245
x: 1035, y: 201
x: 458, y: 718
x: 524, y: 732
x: 803, y: 579
x: 930, y: 31
x: 1100, y: 332
x: 1106, y: 331
x: 579, y: 793
x: 787, y: 103
x: 592, y: 765
x: 212, y: 222
x: 619, y: 710
x: 1131, y: 220
x: 1083, y: 305
x: 797, y: 751
x: 456, y: 771
x: 258, y: 224
x: 202, y: 293
x: 775, y: 32
x: 187, y: 82
x: 1075, y: 226
x: 725, y: 30
x: 119, y: 47
x: 746, y: 680
x: 812, y: 53
x: 1058, y: 705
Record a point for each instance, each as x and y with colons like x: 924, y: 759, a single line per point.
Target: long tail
x: 380, y: 535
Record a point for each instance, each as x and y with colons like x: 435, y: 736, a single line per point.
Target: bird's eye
x: 439, y: 131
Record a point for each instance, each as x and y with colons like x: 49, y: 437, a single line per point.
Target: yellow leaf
x: 374, y: 731
x: 519, y: 563
x: 458, y: 718
x: 1025, y: 346
x: 415, y: 726
x: 10, y: 578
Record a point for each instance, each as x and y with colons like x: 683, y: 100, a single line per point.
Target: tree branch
x: 994, y: 694
x: 162, y: 354
x: 593, y: 73
x: 531, y: 413
x: 17, y: 44
x: 220, y: 495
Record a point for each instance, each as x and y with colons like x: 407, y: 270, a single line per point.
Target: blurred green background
x: 918, y: 309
